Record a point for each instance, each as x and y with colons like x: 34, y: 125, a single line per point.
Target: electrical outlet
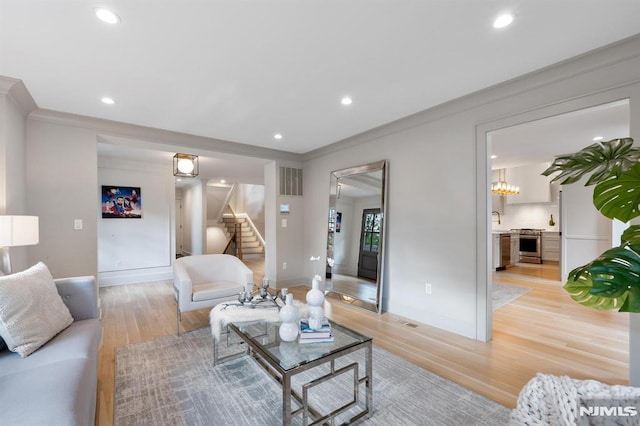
x: 284, y: 265
x: 427, y: 288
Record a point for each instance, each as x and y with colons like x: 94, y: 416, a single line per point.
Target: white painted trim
x: 15, y: 90
x: 112, y: 130
x: 587, y: 237
x: 135, y: 276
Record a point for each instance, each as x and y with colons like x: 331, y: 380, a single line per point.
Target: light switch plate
x: 284, y: 223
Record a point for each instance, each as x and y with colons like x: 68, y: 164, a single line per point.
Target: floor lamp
x: 16, y: 231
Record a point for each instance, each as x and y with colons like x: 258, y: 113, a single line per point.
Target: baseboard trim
x: 134, y: 276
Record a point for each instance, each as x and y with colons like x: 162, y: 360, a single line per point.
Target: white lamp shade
x: 19, y: 231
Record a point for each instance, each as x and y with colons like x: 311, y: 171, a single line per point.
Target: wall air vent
x: 290, y: 182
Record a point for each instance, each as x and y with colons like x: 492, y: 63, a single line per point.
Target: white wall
x: 249, y: 199
x: 62, y: 182
x: 13, y: 168
x: 285, y: 244
x: 194, y: 208
x: 136, y: 250
x: 585, y: 232
x: 216, y: 238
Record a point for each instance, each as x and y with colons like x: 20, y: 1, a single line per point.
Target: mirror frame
x: 334, y: 178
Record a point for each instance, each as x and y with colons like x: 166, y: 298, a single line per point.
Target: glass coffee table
x: 283, y: 360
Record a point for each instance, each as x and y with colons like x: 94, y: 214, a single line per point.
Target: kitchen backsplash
x: 517, y: 216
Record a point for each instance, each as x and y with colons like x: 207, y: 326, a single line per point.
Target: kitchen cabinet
x: 515, y: 248
x: 495, y: 245
x: 534, y: 188
x: 502, y: 249
x: 550, y: 246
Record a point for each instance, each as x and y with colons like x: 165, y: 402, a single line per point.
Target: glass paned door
x: 369, y: 244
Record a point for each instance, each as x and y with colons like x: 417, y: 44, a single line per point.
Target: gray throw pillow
x: 31, y: 310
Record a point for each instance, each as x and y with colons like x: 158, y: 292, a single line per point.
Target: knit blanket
x: 555, y: 400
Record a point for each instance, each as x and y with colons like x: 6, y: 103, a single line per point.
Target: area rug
x: 503, y: 294
x: 171, y: 381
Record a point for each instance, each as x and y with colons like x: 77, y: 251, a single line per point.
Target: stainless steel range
x: 530, y: 245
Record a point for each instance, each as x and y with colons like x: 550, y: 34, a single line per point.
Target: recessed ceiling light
x: 179, y: 180
x: 346, y: 100
x: 108, y: 101
x: 493, y: 157
x: 223, y: 181
x: 598, y: 138
x: 503, y: 20
x: 107, y: 16
x: 277, y: 136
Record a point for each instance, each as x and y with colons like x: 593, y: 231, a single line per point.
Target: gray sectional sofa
x: 56, y: 385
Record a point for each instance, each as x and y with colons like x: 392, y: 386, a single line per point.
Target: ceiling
x: 542, y: 140
x: 243, y: 71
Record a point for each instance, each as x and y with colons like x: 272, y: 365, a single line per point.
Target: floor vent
x: 408, y: 324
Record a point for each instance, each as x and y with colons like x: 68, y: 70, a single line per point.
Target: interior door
x: 369, y: 244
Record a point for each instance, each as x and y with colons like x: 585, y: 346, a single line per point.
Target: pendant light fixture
x: 185, y: 165
x: 501, y: 187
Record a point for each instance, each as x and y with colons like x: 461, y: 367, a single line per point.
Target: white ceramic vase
x: 315, y: 302
x: 289, y: 317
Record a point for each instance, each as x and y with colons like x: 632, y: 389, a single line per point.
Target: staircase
x: 251, y: 246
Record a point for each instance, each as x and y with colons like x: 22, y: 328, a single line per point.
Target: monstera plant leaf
x: 579, y: 285
x: 619, y: 196
x: 611, y: 281
x: 601, y: 159
x: 631, y: 235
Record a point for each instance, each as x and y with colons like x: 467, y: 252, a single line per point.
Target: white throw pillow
x: 31, y: 310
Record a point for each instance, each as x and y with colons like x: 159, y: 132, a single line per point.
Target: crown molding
x: 106, y: 128
x: 622, y: 51
x: 18, y: 93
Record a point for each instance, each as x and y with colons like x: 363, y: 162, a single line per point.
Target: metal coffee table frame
x: 284, y: 375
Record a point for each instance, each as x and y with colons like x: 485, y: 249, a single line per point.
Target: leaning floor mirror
x: 355, y: 238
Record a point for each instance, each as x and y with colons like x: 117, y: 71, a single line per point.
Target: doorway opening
x: 541, y: 315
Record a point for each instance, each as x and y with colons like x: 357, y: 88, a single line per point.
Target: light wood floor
x: 542, y: 331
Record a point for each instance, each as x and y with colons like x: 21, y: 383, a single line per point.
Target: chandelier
x: 501, y: 187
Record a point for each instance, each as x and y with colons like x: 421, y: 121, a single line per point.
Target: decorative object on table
x: 551, y: 221
x: 323, y: 334
x: 289, y: 316
x: 249, y: 288
x: 264, y: 290
x: 610, y: 281
x: 315, y: 301
x: 16, y: 231
x: 283, y: 294
x: 121, y: 202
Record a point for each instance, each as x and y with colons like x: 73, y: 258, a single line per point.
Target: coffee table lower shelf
x: 262, y: 338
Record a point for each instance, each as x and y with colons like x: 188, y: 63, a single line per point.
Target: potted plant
x: 612, y: 281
